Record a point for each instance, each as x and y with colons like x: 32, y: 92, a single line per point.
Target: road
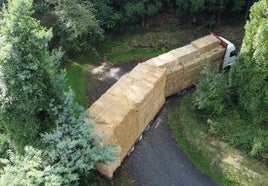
x: 158, y: 160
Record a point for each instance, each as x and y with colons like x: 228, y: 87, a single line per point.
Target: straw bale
x: 152, y: 75
x: 174, y: 78
x: 185, y: 53
x: 178, y: 85
x: 138, y: 92
x: 169, y: 90
x: 165, y: 60
x: 189, y: 82
x: 157, y: 105
x: 132, y: 103
x: 127, y: 133
x: 119, y: 88
x: 195, y: 64
x: 206, y: 43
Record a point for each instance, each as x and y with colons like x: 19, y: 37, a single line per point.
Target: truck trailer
x: 125, y: 111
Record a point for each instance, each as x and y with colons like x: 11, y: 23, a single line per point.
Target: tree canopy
x: 238, y: 101
x: 53, y: 143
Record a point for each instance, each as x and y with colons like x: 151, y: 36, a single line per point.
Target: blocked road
x: 158, y: 160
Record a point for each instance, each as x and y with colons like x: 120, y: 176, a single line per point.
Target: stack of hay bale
x: 124, y: 111
x: 184, y: 64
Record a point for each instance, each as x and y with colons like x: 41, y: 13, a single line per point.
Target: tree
x: 29, y: 77
x: 141, y: 10
x: 191, y: 8
x: 38, y: 110
x: 211, y: 10
x: 28, y: 169
x: 76, y: 26
x: 251, y: 69
x: 242, y: 96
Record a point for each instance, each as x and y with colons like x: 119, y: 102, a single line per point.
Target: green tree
x: 37, y: 110
x: 251, y: 69
x: 141, y: 10
x: 191, y: 8
x: 243, y: 95
x: 211, y: 10
x: 76, y: 27
x: 29, y: 77
x: 28, y: 169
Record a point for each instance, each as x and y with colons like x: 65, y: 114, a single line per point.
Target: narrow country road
x: 157, y: 159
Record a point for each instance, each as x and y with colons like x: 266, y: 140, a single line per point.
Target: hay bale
x: 185, y: 54
x: 174, y: 80
x: 163, y: 61
x: 206, y: 43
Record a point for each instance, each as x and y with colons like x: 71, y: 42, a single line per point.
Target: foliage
x: 209, y: 11
x: 76, y: 27
x: 213, y: 93
x: 35, y: 104
x: 29, y: 77
x: 28, y: 169
x: 141, y: 10
x: 72, y: 148
x: 241, y: 95
x: 71, y: 151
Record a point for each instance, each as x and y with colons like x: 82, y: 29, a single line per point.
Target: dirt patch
x: 101, y: 78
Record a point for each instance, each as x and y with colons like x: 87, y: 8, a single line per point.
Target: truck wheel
x: 140, y: 138
x: 147, y: 128
x: 131, y: 150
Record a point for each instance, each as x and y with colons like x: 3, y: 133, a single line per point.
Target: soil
x: 157, y: 158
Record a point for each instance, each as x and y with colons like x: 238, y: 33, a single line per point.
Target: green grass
x: 76, y: 77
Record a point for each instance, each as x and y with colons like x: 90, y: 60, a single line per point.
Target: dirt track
x: 157, y: 159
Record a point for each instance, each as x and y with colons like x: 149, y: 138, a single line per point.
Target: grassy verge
x: 76, y: 76
x: 225, y: 165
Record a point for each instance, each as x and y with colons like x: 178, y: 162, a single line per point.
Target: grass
x: 76, y: 76
x: 224, y: 164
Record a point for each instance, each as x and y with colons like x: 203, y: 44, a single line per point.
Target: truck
x: 125, y: 111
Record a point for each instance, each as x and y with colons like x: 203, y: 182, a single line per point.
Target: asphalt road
x: 157, y: 159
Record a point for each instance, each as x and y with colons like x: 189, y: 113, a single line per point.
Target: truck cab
x: 230, y: 53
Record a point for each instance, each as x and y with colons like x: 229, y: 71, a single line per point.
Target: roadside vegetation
x: 217, y: 159
x: 236, y: 103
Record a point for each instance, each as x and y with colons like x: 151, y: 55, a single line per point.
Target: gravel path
x: 157, y: 159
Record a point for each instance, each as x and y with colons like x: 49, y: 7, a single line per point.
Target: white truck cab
x: 230, y: 53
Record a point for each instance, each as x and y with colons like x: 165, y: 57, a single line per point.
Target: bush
x: 72, y: 149
x: 28, y: 169
x: 213, y: 93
